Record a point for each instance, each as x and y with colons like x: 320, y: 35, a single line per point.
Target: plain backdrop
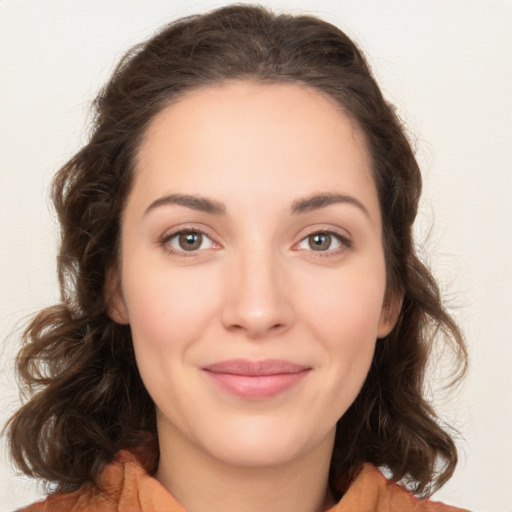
x: 447, y: 66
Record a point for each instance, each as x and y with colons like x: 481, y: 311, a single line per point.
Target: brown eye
x: 320, y: 241
x: 324, y: 241
x: 190, y: 241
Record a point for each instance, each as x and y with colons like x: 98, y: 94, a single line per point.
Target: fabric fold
x: 126, y: 485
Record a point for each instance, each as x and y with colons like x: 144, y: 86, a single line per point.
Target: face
x: 252, y: 270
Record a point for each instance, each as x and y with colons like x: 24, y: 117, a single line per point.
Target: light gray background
x: 447, y: 66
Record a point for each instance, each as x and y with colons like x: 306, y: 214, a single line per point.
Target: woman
x: 244, y: 322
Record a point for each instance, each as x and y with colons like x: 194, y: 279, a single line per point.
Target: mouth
x: 256, y: 380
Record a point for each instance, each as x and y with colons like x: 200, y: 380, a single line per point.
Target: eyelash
x: 165, y: 242
x: 345, y: 243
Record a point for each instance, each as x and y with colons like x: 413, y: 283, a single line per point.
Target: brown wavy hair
x: 85, y: 398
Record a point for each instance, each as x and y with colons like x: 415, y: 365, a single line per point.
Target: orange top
x: 127, y: 486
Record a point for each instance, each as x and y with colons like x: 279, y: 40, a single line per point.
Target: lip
x: 256, y: 380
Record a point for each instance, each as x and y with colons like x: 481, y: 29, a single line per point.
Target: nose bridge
x: 256, y: 302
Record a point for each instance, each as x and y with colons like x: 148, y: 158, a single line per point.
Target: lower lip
x: 257, y: 387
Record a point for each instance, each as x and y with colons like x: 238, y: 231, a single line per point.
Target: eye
x: 324, y: 241
x: 188, y: 241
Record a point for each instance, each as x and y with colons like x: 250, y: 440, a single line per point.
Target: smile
x: 256, y: 380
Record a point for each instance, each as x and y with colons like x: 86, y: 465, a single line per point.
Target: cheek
x: 348, y: 301
x: 344, y: 314
x: 349, y: 337
x: 168, y: 307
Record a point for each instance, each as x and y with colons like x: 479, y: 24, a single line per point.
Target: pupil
x: 190, y: 241
x: 319, y: 242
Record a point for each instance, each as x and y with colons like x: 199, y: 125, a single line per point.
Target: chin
x: 256, y: 455
x: 262, y: 443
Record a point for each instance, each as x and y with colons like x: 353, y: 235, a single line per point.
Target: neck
x: 202, y: 483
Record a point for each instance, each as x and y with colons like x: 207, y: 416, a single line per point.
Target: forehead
x: 231, y: 101
x: 260, y: 138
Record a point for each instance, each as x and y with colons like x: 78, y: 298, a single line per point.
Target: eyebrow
x: 317, y: 201
x: 201, y: 204
x: 299, y: 206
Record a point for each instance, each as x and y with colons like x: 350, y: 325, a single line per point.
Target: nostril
x: 256, y: 306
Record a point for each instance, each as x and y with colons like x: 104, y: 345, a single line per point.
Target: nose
x: 258, y: 300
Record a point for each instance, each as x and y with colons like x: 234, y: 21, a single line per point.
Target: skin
x: 254, y: 288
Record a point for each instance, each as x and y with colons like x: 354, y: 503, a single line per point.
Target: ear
x: 389, y: 314
x: 116, y: 306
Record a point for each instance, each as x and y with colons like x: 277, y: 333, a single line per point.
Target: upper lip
x: 255, y: 368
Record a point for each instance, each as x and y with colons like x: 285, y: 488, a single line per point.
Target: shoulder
x: 372, y: 492
x: 89, y: 497
x: 77, y: 501
x: 124, y: 484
